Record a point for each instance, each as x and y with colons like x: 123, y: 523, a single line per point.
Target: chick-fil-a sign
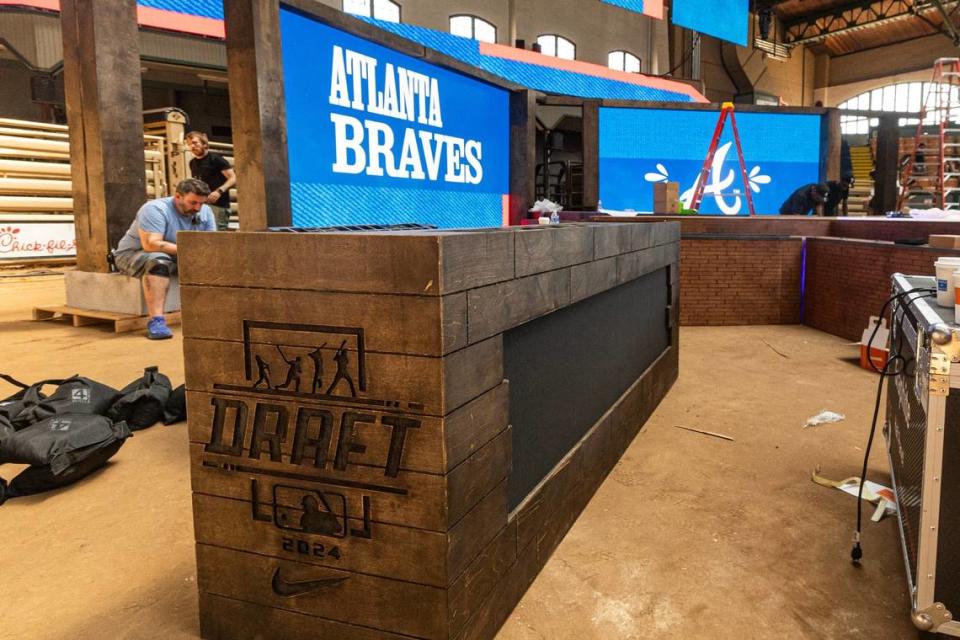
x: 37, y: 240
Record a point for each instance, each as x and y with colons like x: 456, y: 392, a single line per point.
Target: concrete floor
x: 689, y: 537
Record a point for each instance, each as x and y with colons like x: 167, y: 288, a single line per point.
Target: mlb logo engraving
x: 60, y: 424
x: 81, y: 396
x: 309, y: 511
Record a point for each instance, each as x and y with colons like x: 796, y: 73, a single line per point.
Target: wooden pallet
x: 122, y: 322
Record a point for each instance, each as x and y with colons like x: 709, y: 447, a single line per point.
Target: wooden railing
x: 35, y: 170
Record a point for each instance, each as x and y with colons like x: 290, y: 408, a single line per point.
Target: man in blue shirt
x: 149, y: 248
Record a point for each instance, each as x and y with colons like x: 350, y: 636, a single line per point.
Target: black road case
x: 922, y: 431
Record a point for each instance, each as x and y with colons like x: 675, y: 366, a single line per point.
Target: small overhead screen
x: 724, y: 19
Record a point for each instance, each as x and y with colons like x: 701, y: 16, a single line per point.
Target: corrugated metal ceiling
x: 864, y: 37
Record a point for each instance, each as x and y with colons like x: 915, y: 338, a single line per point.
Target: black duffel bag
x: 6, y: 429
x: 13, y: 405
x: 75, y: 394
x: 60, y: 450
x: 142, y: 402
x: 176, y: 408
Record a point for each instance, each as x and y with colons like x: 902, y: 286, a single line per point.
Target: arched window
x: 557, y: 46
x: 386, y: 10
x: 623, y: 61
x: 473, y: 27
x: 905, y: 97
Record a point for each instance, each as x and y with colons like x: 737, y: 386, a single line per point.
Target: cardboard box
x: 666, y: 195
x: 944, y: 241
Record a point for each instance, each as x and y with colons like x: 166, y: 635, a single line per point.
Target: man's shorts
x: 137, y: 263
x: 222, y: 216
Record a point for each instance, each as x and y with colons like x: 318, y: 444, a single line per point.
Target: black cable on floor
x: 856, y: 553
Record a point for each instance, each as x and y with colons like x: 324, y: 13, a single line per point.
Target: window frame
x: 556, y: 41
x: 373, y: 9
x: 473, y: 26
x: 624, y: 53
x: 886, y: 98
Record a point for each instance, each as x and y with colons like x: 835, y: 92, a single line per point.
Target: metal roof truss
x: 817, y: 28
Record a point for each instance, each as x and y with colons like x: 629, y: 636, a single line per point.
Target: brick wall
x: 740, y: 281
x: 892, y: 229
x: 742, y: 225
x: 808, y: 226
x: 847, y: 280
x: 740, y: 270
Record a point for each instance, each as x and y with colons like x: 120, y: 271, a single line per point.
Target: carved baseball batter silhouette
x: 343, y: 362
x: 293, y: 372
x: 263, y: 371
x: 317, y: 358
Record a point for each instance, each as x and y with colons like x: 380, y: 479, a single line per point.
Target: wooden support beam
x: 591, y: 154
x: 257, y: 112
x: 101, y: 70
x: 833, y: 143
x: 523, y: 153
x: 888, y: 156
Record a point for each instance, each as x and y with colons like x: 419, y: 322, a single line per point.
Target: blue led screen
x: 630, y: 5
x: 378, y: 137
x: 724, y: 19
x: 639, y: 147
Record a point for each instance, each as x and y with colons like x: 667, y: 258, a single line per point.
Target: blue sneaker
x: 157, y: 329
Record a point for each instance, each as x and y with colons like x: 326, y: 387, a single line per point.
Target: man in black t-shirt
x: 213, y: 169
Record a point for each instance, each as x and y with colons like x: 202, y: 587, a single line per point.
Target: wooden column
x: 832, y: 122
x: 523, y: 153
x: 591, y: 154
x: 101, y: 70
x: 888, y: 156
x: 257, y: 112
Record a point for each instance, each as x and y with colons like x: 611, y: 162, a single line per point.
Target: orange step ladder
x: 726, y: 111
x: 941, y: 151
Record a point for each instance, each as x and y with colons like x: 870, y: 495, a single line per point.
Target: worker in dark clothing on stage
x: 213, y: 169
x: 807, y: 198
x: 837, y: 194
x: 846, y: 162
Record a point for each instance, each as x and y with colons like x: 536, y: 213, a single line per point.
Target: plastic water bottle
x: 554, y: 218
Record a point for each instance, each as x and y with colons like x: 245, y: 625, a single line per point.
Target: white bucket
x: 945, y: 268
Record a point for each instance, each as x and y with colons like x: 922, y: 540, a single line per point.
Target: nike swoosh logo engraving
x: 286, y: 589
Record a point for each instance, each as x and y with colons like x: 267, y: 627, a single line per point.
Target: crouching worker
x: 808, y: 198
x: 149, y: 248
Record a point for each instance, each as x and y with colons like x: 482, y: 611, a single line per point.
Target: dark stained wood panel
x: 351, y: 448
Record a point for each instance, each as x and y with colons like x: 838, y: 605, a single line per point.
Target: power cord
x: 856, y: 553
x: 693, y: 46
